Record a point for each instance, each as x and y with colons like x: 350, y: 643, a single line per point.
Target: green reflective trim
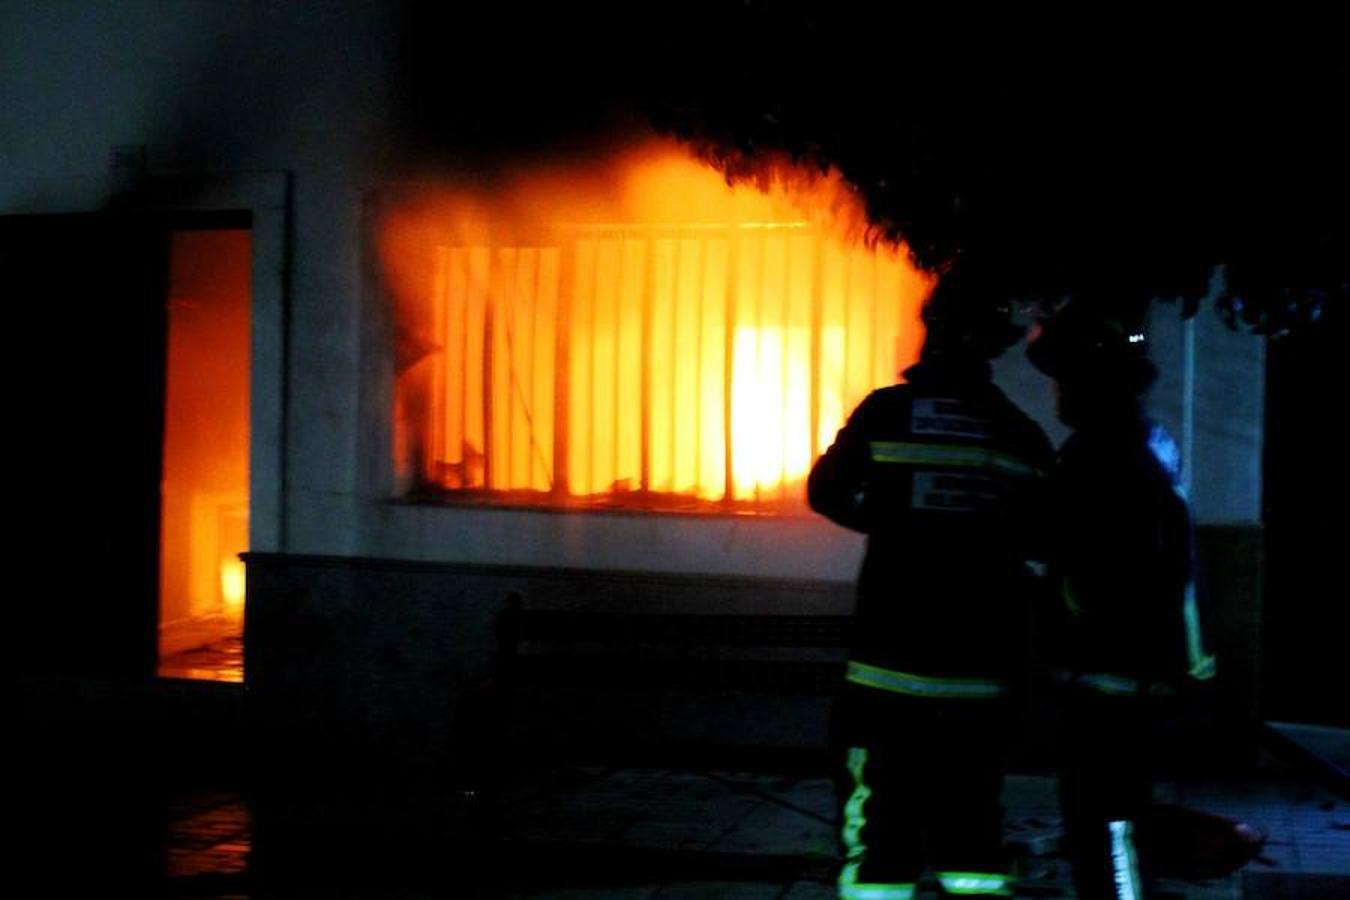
x: 854, y: 818
x: 924, y: 686
x: 1118, y: 685
x: 1124, y: 861
x: 1110, y: 684
x: 1202, y: 663
x: 854, y: 848
x: 985, y: 884
x: 876, y: 891
x: 1071, y: 602
x: 953, y: 455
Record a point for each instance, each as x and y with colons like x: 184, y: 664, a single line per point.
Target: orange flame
x: 636, y: 325
x: 232, y: 583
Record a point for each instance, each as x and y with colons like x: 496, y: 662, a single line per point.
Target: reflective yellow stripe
x: 953, y: 455
x: 985, y: 884
x: 923, y: 685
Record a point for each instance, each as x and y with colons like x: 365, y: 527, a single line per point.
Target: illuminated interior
x: 637, y: 333
x: 204, y: 521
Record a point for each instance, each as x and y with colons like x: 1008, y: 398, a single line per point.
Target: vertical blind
x: 688, y: 366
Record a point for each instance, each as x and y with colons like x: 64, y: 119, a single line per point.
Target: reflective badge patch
x: 951, y: 418
x: 946, y: 492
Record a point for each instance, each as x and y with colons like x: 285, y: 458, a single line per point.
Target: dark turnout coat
x: 942, y: 473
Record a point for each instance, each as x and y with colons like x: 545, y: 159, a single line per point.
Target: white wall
x: 228, y: 88
x: 225, y: 89
x: 1210, y: 394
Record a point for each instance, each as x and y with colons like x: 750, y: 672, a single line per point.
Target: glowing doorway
x: 205, y: 504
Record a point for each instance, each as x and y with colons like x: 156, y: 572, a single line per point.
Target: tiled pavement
x: 637, y: 834
x: 209, y: 833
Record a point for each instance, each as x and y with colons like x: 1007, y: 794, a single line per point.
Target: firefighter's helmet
x: 1081, y: 342
x: 966, y: 310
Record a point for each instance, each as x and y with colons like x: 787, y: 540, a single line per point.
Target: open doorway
x: 204, y: 488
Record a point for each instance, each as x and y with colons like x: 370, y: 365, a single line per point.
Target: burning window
x: 641, y: 336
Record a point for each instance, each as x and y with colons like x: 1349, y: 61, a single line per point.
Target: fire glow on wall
x: 637, y: 333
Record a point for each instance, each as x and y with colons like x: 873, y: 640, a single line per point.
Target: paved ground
x: 636, y: 834
x: 142, y: 796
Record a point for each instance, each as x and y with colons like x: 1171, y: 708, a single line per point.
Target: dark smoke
x: 1065, y: 158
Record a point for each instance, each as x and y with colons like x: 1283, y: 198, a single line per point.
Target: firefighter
x: 937, y: 472
x: 1125, y: 639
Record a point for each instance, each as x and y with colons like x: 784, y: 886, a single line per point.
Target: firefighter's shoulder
x: 890, y: 399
